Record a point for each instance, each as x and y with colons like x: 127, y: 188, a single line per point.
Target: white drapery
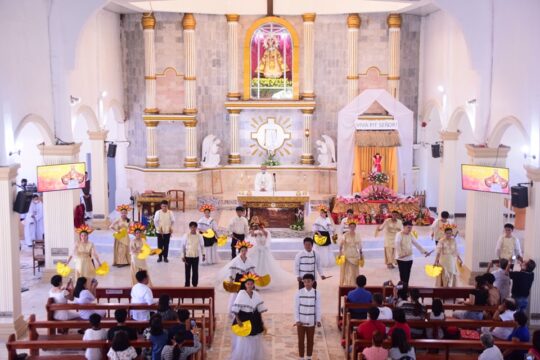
x: 346, y: 136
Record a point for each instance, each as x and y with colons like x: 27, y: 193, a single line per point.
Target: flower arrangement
x: 151, y: 228
x: 378, y: 178
x: 411, y: 216
x: 271, y: 82
x: 271, y: 160
x: 298, y: 224
x: 378, y: 192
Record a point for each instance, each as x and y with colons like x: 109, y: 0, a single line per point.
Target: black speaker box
x: 436, y: 150
x: 22, y: 202
x: 111, y: 151
x: 520, y: 196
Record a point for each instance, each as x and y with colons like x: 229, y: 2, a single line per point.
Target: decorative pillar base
x: 152, y: 163
x: 190, y: 111
x: 307, y: 159
x: 234, y: 96
x: 191, y: 162
x: 234, y: 159
x: 151, y: 111
x: 17, y: 327
x: 308, y: 96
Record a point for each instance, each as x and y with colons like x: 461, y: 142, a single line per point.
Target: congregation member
x: 95, y: 332
x: 184, y: 323
x: 238, y: 229
x: 494, y: 296
x: 409, y: 301
x: 84, y: 253
x: 121, y: 348
x: 135, y: 248
x: 164, y: 222
x: 385, y: 313
x: 264, y: 181
x: 522, y: 282
x: 205, y: 224
x: 367, y: 328
x: 344, y: 223
x: 391, y: 227
x: 141, y: 294
x: 33, y: 222
x: 519, y: 334
x: 491, y: 351
x: 376, y: 350
x: 502, y: 278
x: 400, y: 323
x: 359, y: 296
x: 478, y: 297
x: 61, y: 295
x: 249, y: 305
x: 85, y: 293
x: 401, y: 349
x: 508, y: 245
x: 436, y: 313
x: 438, y: 226
x: 448, y: 258
x: 350, y: 247
x: 192, y: 251
x: 307, y: 261
x: 121, y: 254
x: 164, y: 308
x: 178, y: 348
x: 120, y: 315
x: 534, y: 352
x: 158, y: 336
x: 404, y: 242
x: 323, y: 227
x: 504, y: 312
x: 307, y: 315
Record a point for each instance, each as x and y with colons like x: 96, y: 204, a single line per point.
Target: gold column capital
x: 309, y: 17
x: 188, y: 21
x: 234, y: 111
x: 307, y: 111
x: 151, y: 111
x: 97, y: 134
x: 190, y: 111
x: 148, y: 21
x: 151, y: 123
x: 353, y: 21
x: 190, y: 124
x: 232, y: 17
x: 394, y: 21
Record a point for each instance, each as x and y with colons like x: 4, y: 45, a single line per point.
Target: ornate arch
x: 455, y: 119
x: 295, y: 51
x: 498, y: 131
x: 88, y: 114
x: 431, y: 105
x: 40, y: 123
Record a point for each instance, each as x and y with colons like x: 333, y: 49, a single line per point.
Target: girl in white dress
x: 324, y: 226
x: 61, y: 295
x: 205, y: 223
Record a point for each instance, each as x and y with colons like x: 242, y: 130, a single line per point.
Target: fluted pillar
x: 531, y: 247
x: 99, y: 180
x: 485, y: 219
x: 58, y: 208
x: 190, y: 80
x: 11, y: 320
x: 234, y: 155
x: 149, y: 24
x: 307, y: 156
x: 190, y: 160
x: 353, y: 28
x: 448, y: 175
x: 152, y: 159
x: 394, y: 34
x: 232, y: 55
x: 309, y: 48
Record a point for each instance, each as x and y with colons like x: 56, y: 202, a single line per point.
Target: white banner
x: 375, y: 124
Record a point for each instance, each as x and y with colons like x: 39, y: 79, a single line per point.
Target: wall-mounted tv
x: 485, y: 178
x: 61, y: 177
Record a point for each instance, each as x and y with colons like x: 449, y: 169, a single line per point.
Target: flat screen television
x: 61, y: 177
x: 485, y: 178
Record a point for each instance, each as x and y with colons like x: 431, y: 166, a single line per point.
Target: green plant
x: 298, y: 225
x: 151, y: 228
x: 271, y: 160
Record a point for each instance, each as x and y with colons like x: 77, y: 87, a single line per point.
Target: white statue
x: 210, y: 151
x: 327, y: 151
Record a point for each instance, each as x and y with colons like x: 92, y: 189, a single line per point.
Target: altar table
x: 278, y: 208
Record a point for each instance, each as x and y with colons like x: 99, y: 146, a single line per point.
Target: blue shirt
x: 359, y: 296
x: 158, y: 342
x: 521, y: 333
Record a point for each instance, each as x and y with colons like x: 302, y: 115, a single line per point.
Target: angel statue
x: 327, y: 151
x: 210, y: 151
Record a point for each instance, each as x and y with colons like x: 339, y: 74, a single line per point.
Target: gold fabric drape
x: 363, y: 162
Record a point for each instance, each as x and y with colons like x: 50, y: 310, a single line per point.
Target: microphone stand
x: 274, y: 187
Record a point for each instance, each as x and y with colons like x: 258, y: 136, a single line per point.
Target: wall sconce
x: 306, y: 133
x: 74, y: 100
x: 18, y: 152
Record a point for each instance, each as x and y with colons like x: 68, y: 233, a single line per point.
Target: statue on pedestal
x: 327, y: 151
x: 210, y: 151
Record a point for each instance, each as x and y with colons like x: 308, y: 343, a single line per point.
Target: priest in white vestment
x: 33, y: 222
x: 264, y: 181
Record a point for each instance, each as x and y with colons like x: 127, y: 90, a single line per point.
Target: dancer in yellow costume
x: 121, y: 255
x: 391, y: 227
x: 84, y: 252
x: 448, y: 258
x: 350, y: 247
x: 136, y: 249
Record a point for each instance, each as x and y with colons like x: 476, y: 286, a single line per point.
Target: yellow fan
x: 415, y: 234
x: 222, y: 240
x: 319, y: 239
x: 156, y: 251
x: 245, y: 330
x: 340, y: 260
x: 433, y: 270
x: 62, y: 269
x: 122, y: 233
x: 361, y: 262
x: 231, y: 286
x: 263, y: 281
x: 145, y: 252
x: 103, y: 269
x: 209, y: 234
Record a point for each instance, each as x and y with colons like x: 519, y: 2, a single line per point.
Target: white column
x: 309, y: 48
x: 148, y: 22
x: 484, y: 221
x: 307, y: 156
x: 232, y: 55
x: 152, y: 159
x: 234, y: 155
x: 58, y: 208
x: 99, y: 180
x: 190, y: 161
x: 11, y: 320
x: 531, y: 248
x: 353, y: 28
x: 448, y: 175
x: 394, y: 34
x: 190, y: 80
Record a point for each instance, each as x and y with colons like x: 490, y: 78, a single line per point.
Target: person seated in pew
x: 359, y: 296
x: 121, y: 349
x: 436, y: 313
x: 178, y: 349
x: 94, y: 333
x: 505, y: 312
x: 85, y: 293
x: 478, y: 297
x: 413, y: 308
x: 398, y: 315
x: 164, y: 308
x: 401, y: 349
x: 185, y: 323
x: 385, y: 313
x: 157, y: 336
x: 121, y: 315
x: 519, y: 334
x: 534, y: 352
x: 61, y: 295
x: 502, y: 279
x: 367, y: 328
x: 376, y: 351
x: 491, y: 351
x: 494, y: 295
x: 141, y: 294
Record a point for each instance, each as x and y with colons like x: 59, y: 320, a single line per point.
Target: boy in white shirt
x: 307, y: 315
x: 141, y: 294
x: 94, y: 333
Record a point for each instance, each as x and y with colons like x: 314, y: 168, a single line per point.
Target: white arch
x: 498, y: 131
x: 431, y: 105
x: 40, y: 123
x: 455, y: 119
x: 88, y: 114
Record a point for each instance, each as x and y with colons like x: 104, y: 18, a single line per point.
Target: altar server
x: 307, y: 315
x: 264, y: 181
x: 404, y: 243
x: 323, y: 227
x: 33, y: 222
x: 192, y: 250
x: 437, y: 227
x: 508, y: 245
x: 344, y: 224
x: 238, y: 229
x: 307, y: 261
x: 164, y: 221
x: 391, y: 227
x: 206, y: 223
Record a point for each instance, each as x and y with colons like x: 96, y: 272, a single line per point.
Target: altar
x: 279, y: 208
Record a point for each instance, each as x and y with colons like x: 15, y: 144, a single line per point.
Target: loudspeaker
x: 436, y: 150
x: 22, y: 202
x: 111, y: 151
x: 520, y: 196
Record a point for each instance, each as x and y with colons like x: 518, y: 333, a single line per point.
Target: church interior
x: 400, y: 137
